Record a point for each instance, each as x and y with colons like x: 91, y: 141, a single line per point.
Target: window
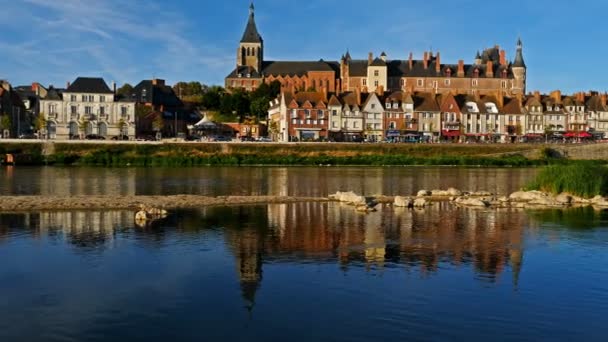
x: 91, y: 98
x: 102, y: 99
x: 377, y: 126
x: 315, y: 122
x: 307, y: 113
x: 334, y: 124
x: 373, y: 106
x: 123, y: 111
x: 102, y: 110
x: 392, y: 125
x: 83, y: 98
x: 308, y: 121
x: 334, y: 113
x: 294, y: 113
x: 321, y: 122
x: 364, y: 81
x: 474, y: 83
x: 376, y: 83
x: 294, y: 121
x: 355, y: 124
x: 420, y: 83
x: 376, y: 73
x: 320, y: 114
x: 402, y: 82
x: 370, y: 116
x: 88, y: 110
x: 446, y: 83
x: 435, y: 85
x: 504, y: 84
x: 73, y: 98
x: 74, y: 110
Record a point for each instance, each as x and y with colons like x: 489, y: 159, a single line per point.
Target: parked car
x: 95, y: 137
x: 246, y: 139
x: 146, y: 138
x: 28, y: 136
x: 264, y: 139
x: 220, y: 138
x: 193, y: 138
x: 121, y: 137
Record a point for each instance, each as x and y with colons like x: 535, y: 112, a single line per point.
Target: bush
x: 581, y: 179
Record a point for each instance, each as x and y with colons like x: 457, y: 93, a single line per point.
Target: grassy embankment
x: 283, y: 154
x: 582, y: 179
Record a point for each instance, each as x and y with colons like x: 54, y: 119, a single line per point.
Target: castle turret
x: 519, y: 70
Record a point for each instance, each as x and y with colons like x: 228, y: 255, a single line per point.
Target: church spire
x: 251, y: 34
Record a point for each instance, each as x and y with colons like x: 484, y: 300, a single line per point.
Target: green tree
x: 158, y: 123
x: 212, y: 98
x: 40, y: 122
x: 259, y: 107
x: 122, y: 124
x: 126, y: 90
x: 5, y: 122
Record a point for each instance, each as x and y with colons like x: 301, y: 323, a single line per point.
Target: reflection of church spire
x: 516, y: 260
x: 250, y: 276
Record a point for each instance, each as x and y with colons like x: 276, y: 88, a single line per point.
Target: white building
x: 87, y: 107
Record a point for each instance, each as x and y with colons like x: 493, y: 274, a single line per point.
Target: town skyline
x: 106, y: 42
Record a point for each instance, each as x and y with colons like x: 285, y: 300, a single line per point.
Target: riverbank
x: 198, y: 154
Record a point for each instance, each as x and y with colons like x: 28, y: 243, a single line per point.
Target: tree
x: 126, y: 90
x: 40, y: 123
x: 82, y: 125
x: 121, y: 126
x: 5, y: 123
x: 158, y: 123
x: 259, y: 107
x: 212, y: 98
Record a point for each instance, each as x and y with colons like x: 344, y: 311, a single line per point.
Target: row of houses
x: 422, y: 116
x: 88, y: 107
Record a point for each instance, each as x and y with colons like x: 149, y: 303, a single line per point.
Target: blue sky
x: 53, y: 42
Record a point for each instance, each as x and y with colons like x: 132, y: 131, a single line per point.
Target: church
x: 489, y: 73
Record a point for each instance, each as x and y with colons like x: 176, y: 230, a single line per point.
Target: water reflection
x: 424, y: 241
x: 222, y: 181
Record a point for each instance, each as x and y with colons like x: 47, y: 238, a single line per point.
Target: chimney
x: 603, y: 99
x: 158, y: 82
x: 537, y: 95
x: 460, y: 68
x: 411, y: 61
x: 426, y: 60
x: 324, y: 90
x: 500, y: 99
x: 67, y: 85
x: 114, y: 87
x: 490, y: 69
x: 503, y: 57
x: 380, y: 90
x: 358, y: 95
x: 556, y: 95
x: 35, y: 87
x: 370, y: 58
x: 438, y: 63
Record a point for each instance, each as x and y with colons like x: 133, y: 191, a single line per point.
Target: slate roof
x: 155, y: 94
x: 89, y: 85
x: 512, y: 106
x: 297, y: 68
x: 251, y: 34
x: 53, y: 94
x: 378, y: 62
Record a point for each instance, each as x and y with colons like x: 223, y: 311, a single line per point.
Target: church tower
x: 251, y: 49
x: 519, y: 70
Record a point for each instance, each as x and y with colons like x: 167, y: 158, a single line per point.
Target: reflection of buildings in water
x: 87, y: 181
x: 489, y: 239
x: 85, y: 228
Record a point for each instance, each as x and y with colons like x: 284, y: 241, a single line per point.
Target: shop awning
x: 450, y: 133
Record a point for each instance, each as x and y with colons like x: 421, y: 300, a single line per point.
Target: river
x: 303, y: 272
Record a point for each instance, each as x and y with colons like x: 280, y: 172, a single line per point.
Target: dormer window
x: 239, y: 75
x: 448, y: 72
x: 248, y: 75
x: 476, y: 73
x: 504, y: 73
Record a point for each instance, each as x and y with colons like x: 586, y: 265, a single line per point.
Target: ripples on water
x: 222, y: 181
x: 308, y: 271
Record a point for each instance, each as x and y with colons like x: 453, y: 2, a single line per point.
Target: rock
x: 472, y: 202
x: 546, y: 202
x: 503, y: 199
x: 600, y: 201
x: 527, y: 196
x: 403, y: 202
x: 424, y: 193
x: 482, y: 194
x: 364, y: 208
x: 580, y: 200
x: 564, y: 199
x: 439, y: 193
x: 141, y: 215
x: 349, y: 197
x: 421, y: 203
x: 454, y: 192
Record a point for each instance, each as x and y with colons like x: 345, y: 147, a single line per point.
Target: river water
x: 301, y: 272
